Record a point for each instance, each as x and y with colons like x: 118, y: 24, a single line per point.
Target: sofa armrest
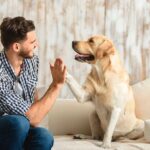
x: 141, y: 92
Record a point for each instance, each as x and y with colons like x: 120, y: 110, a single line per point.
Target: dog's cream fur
x: 107, y: 86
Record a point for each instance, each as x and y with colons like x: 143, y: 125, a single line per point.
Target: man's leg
x: 39, y: 139
x: 13, y: 132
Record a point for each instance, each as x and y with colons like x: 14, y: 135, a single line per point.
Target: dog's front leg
x: 111, y: 127
x: 80, y: 94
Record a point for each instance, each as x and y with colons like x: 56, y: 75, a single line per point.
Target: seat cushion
x: 68, y: 143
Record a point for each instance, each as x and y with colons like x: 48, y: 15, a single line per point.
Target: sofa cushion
x: 68, y: 143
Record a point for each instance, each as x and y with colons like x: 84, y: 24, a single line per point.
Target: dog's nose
x: 74, y: 43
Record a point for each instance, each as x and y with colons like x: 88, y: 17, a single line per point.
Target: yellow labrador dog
x: 107, y: 86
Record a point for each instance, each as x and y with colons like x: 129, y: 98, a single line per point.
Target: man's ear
x: 16, y: 46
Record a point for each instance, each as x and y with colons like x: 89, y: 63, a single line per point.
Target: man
x: 20, y: 109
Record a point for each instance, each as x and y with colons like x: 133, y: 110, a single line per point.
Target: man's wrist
x: 56, y: 85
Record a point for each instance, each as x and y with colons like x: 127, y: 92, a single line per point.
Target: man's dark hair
x: 15, y: 30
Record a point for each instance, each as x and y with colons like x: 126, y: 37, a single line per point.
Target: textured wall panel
x: 58, y: 22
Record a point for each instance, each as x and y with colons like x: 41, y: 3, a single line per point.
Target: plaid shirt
x: 12, y: 102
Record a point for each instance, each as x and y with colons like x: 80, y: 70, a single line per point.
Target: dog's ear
x: 99, y: 53
x: 105, y: 49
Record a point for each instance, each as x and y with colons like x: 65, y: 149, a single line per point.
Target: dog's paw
x: 106, y: 145
x: 68, y: 77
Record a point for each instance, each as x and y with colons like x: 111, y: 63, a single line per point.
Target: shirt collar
x: 10, y: 68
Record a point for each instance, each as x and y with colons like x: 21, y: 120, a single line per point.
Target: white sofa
x: 69, y: 117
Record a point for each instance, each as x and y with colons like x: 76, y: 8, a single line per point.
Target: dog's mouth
x: 84, y: 57
x: 80, y: 56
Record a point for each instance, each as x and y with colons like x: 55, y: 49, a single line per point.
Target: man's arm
x: 40, y: 108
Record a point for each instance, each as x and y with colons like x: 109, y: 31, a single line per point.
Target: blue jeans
x: 17, y: 134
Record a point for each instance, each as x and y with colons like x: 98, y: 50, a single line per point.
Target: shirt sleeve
x: 13, y: 104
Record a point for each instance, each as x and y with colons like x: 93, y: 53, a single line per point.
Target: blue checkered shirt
x: 12, y: 102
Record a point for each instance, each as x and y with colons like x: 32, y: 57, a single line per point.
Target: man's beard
x: 25, y: 54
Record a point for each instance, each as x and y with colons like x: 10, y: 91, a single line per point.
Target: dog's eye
x: 91, y: 41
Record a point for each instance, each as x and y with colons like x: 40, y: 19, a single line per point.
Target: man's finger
x: 58, y: 62
x: 64, y: 70
x: 51, y: 66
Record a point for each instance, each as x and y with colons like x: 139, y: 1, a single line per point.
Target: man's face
x: 28, y: 45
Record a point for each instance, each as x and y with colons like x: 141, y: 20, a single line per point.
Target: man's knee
x: 18, y: 125
x: 45, y: 138
x: 13, y: 131
x: 49, y: 139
